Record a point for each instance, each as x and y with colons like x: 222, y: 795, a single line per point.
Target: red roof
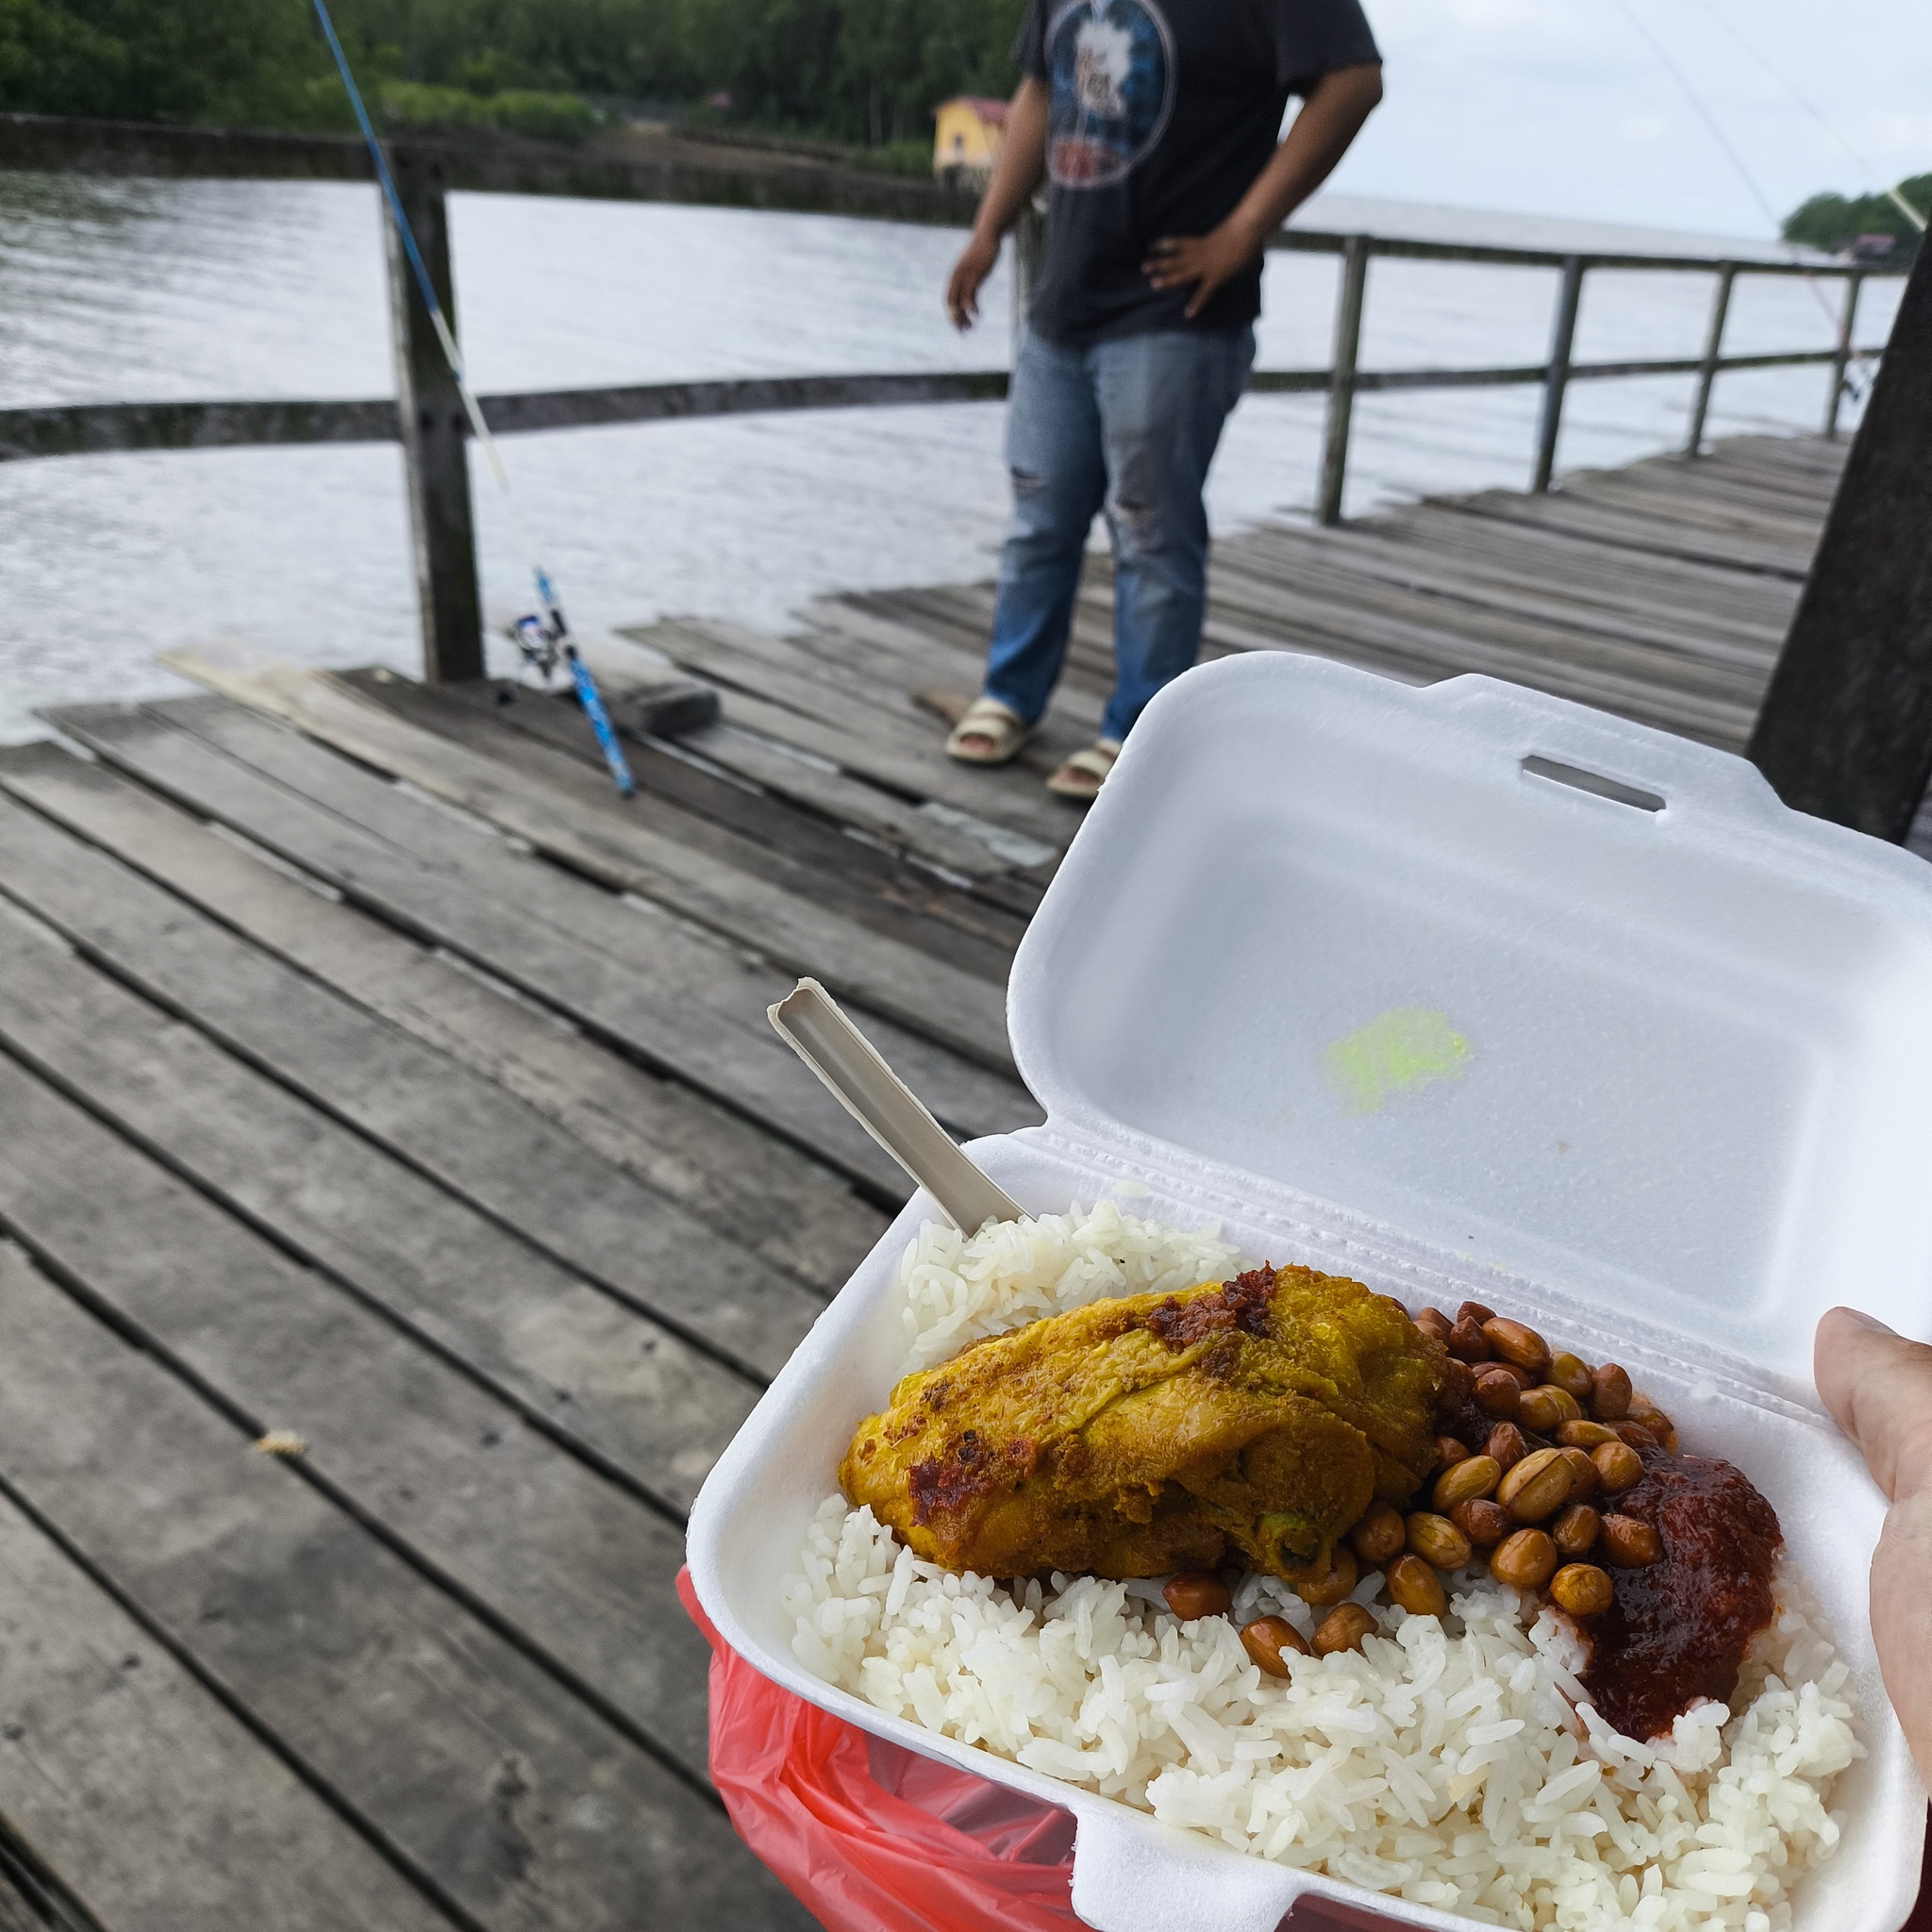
x: 992, y: 112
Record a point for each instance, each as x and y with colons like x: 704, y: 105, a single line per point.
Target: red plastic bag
x: 870, y: 1838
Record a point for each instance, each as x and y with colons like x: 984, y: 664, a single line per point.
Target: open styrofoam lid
x: 1557, y: 994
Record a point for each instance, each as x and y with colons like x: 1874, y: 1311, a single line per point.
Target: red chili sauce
x: 1677, y: 1630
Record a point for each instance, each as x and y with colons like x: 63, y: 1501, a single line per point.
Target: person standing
x: 1156, y: 128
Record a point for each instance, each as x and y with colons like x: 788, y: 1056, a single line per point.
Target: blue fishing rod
x: 544, y: 637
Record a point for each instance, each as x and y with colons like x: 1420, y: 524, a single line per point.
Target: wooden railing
x: 426, y: 417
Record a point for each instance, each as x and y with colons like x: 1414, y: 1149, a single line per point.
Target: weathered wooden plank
x: 1337, y: 588
x: 551, y: 743
x: 619, y: 1388
x: 909, y: 729
x: 1684, y: 506
x: 1361, y: 552
x: 796, y: 1213
x: 1631, y: 531
x: 620, y: 847
x: 158, y: 1807
x: 574, y: 1564
x: 478, y: 1773
x: 458, y: 886
x: 623, y: 968
x: 1714, y: 594
x: 472, y: 1139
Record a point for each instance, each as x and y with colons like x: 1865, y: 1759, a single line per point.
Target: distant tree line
x: 866, y: 73
x: 1832, y: 221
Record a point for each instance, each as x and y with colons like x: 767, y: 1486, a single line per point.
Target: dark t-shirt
x: 1163, y: 115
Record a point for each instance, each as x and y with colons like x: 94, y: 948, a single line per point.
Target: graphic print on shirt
x: 1112, y: 69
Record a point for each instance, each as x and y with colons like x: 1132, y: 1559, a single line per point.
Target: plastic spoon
x: 810, y: 1023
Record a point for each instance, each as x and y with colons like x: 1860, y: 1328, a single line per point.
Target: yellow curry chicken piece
x: 1255, y: 1418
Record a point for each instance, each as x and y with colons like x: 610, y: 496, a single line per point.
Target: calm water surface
x: 139, y: 290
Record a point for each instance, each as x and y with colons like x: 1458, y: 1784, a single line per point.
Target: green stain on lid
x: 1396, y: 1053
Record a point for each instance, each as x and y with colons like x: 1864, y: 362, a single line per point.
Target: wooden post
x: 1713, y: 348
x: 1557, y: 377
x: 1348, y: 340
x: 1846, y: 728
x: 1854, y: 282
x: 1030, y: 239
x: 434, y: 431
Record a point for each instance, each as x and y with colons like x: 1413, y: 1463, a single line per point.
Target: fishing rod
x: 1857, y: 378
x: 543, y: 637
x: 1818, y: 114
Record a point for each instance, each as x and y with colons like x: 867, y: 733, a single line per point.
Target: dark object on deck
x: 672, y: 710
x: 1846, y: 728
x: 430, y: 412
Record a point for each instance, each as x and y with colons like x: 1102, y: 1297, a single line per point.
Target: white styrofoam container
x: 1695, y: 1112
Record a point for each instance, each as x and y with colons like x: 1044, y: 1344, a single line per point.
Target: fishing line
x: 1864, y: 166
x: 1841, y: 334
x: 544, y: 639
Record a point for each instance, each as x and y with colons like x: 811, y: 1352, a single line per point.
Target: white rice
x: 1454, y: 1762
x: 961, y: 1288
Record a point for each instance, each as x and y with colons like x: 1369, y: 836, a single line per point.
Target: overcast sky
x: 1560, y: 107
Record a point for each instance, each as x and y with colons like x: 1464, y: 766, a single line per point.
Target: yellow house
x: 966, y: 138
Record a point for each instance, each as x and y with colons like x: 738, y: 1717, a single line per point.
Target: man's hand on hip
x: 1203, y: 262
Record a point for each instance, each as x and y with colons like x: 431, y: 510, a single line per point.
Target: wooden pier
x: 404, y: 1198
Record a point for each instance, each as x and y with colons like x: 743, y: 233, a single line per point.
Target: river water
x: 135, y: 291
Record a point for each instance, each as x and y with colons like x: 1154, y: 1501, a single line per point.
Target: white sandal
x: 1083, y: 775
x: 1004, y: 734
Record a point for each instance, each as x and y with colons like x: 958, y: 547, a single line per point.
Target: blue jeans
x: 1129, y: 426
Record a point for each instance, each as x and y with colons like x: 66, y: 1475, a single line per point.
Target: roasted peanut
x: 1538, y: 1487
x: 1570, y: 1373
x: 1522, y: 1377
x: 1435, y: 1324
x: 1610, y: 1394
x: 1526, y: 1561
x: 1584, y: 1434
x: 1546, y: 1408
x: 1458, y: 1383
x: 1627, y: 1542
x: 1505, y: 1446
x: 1379, y: 1535
x: 1193, y: 1594
x: 1515, y: 1343
x: 1475, y: 1475
x: 1584, y: 1470
x: 1344, y: 1628
x: 1266, y: 1638
x: 1647, y: 1416
x: 1618, y: 1466
x: 1468, y: 1343
x: 1414, y: 1587
x: 1437, y: 1540
x: 1474, y: 1311
x: 1342, y: 1574
x: 1497, y: 1395
x: 1485, y: 1524
x: 1449, y: 1452
x: 1574, y: 1529
x: 1581, y: 1589
x: 1637, y: 1436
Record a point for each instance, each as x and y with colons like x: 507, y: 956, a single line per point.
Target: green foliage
x: 862, y: 72
x: 1831, y: 220
x: 417, y: 105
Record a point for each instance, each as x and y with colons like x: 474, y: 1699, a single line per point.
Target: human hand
x: 1205, y: 261
x: 1879, y: 1387
x: 975, y: 262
